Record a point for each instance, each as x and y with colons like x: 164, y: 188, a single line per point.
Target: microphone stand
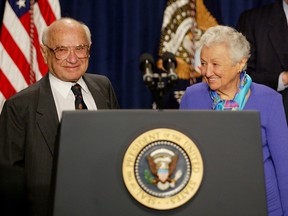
x: 159, y: 93
x: 160, y: 85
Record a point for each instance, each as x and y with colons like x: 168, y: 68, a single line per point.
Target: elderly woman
x: 224, y: 53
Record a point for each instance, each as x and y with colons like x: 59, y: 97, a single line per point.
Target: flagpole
x: 31, y: 31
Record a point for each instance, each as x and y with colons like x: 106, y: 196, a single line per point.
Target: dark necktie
x: 79, y: 102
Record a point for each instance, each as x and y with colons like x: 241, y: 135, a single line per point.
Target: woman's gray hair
x: 45, y: 34
x: 236, y: 42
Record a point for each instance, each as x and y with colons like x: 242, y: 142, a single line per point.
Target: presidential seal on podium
x: 162, y: 169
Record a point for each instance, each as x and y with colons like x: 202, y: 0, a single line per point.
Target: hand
x: 285, y: 77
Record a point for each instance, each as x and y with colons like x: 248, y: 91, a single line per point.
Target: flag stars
x: 21, y: 3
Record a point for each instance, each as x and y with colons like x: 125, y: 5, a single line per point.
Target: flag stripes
x: 21, y: 61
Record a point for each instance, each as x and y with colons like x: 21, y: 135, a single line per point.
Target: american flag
x: 21, y: 62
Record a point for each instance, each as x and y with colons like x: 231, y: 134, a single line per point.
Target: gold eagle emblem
x: 162, y: 163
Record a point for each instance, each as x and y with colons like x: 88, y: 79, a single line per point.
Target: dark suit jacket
x: 267, y: 31
x: 29, y: 128
x: 12, y: 191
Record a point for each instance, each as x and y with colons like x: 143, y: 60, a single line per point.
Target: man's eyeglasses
x: 62, y: 52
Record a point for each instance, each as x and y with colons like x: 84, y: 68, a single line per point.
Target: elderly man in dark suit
x: 29, y: 121
x: 266, y: 29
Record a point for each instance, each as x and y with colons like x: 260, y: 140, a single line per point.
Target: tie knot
x: 76, y: 89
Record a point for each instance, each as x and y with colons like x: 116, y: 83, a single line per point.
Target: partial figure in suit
x: 29, y: 121
x: 266, y: 29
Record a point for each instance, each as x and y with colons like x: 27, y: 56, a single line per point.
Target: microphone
x: 169, y: 64
x: 146, y: 66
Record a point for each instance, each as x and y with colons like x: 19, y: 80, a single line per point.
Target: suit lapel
x: 279, y: 34
x: 47, y: 117
x: 96, y: 92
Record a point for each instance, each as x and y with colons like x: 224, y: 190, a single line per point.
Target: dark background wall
x: 124, y: 29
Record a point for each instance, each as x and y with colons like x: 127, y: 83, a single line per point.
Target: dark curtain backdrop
x: 124, y: 29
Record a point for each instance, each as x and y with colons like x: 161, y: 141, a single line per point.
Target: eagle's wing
x: 173, y: 164
x: 152, y: 165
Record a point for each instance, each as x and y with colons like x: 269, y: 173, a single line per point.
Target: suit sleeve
x: 12, y: 136
x: 113, y: 99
